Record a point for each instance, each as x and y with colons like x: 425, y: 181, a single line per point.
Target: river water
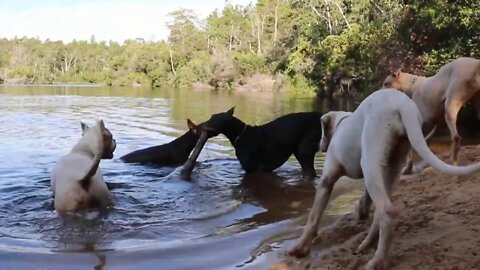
x: 216, y: 221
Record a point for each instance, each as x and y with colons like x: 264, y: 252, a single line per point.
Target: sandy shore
x: 439, y: 226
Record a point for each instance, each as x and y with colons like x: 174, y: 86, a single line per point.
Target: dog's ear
x: 231, y: 111
x: 192, y: 126
x: 396, y: 73
x: 326, y: 122
x: 101, y: 124
x: 84, y: 127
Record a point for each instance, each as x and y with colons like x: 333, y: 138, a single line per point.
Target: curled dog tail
x: 86, y: 181
x: 411, y: 120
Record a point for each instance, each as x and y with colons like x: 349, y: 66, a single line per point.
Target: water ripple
x: 150, y: 202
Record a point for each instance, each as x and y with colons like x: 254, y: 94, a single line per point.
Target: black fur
x: 174, y: 153
x: 265, y: 148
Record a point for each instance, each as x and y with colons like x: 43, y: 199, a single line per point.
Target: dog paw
x: 377, y: 264
x: 300, y: 251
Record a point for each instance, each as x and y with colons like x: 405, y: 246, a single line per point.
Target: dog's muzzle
x: 211, y: 131
x: 108, y: 153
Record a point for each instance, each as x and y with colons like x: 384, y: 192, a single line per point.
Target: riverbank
x: 255, y: 83
x: 438, y: 227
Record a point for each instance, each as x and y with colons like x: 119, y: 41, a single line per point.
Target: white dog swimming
x: 373, y: 143
x: 77, y: 182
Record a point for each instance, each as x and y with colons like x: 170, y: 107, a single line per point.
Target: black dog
x: 265, y: 148
x: 174, y: 153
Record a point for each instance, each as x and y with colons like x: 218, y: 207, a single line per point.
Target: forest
x: 308, y: 47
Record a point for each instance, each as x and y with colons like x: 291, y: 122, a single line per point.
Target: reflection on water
x: 157, y: 216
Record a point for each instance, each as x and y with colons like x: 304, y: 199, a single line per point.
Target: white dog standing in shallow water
x: 372, y: 142
x: 77, y: 182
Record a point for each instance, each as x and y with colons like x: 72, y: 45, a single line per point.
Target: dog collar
x: 340, y: 121
x: 240, y: 134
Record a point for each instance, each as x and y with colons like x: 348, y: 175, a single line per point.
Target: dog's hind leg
x: 364, y: 204
x: 390, y: 173
x: 383, y: 221
x: 452, y: 107
x: 380, y: 168
x: 305, y: 154
x: 332, y: 171
x: 306, y: 159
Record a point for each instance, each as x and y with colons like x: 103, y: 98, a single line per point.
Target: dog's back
x: 291, y: 128
x: 173, y: 153
x: 159, y: 154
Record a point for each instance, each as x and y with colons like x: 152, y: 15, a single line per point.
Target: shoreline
x: 438, y: 227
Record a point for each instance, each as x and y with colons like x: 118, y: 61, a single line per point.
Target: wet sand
x: 438, y: 228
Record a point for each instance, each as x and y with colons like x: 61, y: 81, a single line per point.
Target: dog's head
x: 393, y: 81
x: 108, y: 143
x: 218, y: 122
x: 330, y: 122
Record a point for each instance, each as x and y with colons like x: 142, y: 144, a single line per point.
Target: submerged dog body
x: 442, y: 94
x: 77, y: 182
x: 265, y: 148
x: 373, y: 143
x: 174, y: 153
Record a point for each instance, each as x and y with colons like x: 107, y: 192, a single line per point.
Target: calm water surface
x: 217, y: 221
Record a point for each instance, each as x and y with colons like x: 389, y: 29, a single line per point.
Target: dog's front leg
x: 322, y: 195
x: 452, y: 107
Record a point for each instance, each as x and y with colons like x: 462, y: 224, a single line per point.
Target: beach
x: 438, y: 227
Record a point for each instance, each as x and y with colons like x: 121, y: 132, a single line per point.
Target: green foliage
x: 311, y: 45
x: 248, y: 63
x: 299, y: 85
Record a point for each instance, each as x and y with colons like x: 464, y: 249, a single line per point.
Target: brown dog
x: 444, y: 93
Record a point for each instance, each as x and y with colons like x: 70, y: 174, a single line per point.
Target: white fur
x: 372, y: 142
x: 445, y: 93
x: 71, y: 168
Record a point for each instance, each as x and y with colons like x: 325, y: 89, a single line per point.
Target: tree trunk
x: 327, y: 19
x: 259, y: 39
x: 343, y: 14
x: 275, y: 29
x: 171, y: 60
x: 230, y: 39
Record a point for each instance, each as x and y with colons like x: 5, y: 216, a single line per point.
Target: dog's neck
x: 410, y: 83
x: 235, y: 130
x: 340, y: 120
x: 187, y: 141
x: 82, y: 147
x: 86, y: 146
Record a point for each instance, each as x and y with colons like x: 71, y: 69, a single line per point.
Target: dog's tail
x: 86, y: 181
x: 411, y: 120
